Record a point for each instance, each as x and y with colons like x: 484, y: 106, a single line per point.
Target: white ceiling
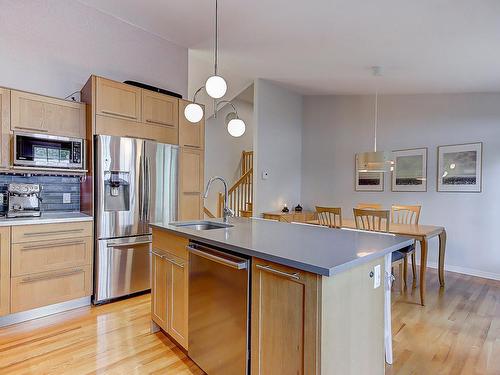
x: 328, y: 46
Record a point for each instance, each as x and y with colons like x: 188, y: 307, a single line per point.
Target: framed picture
x: 369, y: 181
x: 459, y: 168
x: 410, y: 170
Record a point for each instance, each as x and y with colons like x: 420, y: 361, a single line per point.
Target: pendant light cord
x: 216, y: 52
x: 376, y: 120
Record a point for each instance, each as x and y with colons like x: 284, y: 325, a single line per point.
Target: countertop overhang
x: 310, y: 248
x: 46, y: 218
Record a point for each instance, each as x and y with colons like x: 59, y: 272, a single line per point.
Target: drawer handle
x: 28, y: 280
x: 168, y: 259
x: 36, y: 129
x: 192, y: 146
x: 52, y: 245
x: 295, y: 275
x: 147, y: 139
x: 164, y: 123
x: 53, y: 232
x: 118, y: 114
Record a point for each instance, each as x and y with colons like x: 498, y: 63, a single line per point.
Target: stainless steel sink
x: 202, y: 225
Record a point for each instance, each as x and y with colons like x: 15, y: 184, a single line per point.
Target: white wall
x: 277, y: 146
x: 336, y: 127
x: 223, y: 152
x: 52, y: 47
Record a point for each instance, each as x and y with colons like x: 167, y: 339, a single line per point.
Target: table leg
x: 423, y: 269
x: 442, y: 249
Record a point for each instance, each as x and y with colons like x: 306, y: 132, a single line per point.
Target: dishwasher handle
x: 219, y: 259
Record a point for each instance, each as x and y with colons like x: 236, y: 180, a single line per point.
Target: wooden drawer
x: 47, y: 288
x: 128, y: 128
x: 42, y: 256
x: 49, y: 232
x: 170, y: 243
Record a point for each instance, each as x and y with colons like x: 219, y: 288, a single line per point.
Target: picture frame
x: 460, y: 168
x: 410, y: 170
x: 368, y: 181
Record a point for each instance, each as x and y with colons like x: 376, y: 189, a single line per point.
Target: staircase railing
x: 239, y: 194
x: 209, y: 213
x: 246, y: 161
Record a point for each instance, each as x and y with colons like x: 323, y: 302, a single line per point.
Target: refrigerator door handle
x: 148, y: 190
x: 141, y: 190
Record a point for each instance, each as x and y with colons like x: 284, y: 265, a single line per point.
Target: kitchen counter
x: 319, y: 250
x: 46, y: 218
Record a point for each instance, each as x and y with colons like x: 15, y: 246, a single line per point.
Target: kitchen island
x: 314, y: 301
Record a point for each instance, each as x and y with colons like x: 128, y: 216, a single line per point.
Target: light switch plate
x: 376, y: 276
x: 66, y: 198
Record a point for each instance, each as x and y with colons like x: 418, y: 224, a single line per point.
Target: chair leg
x: 401, y: 282
x: 414, y: 268
x: 405, y: 269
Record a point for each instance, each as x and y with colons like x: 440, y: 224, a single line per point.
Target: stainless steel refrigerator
x: 135, y: 184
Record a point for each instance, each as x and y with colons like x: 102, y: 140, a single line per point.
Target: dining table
x: 422, y: 234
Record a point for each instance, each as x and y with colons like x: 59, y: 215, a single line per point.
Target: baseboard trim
x: 465, y: 271
x: 41, y: 312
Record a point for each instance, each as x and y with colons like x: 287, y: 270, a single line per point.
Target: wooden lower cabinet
x: 289, y: 217
x: 284, y: 323
x: 49, y: 263
x: 169, y: 286
x: 4, y: 271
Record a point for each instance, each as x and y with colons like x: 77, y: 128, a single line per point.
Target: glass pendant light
x: 215, y: 85
x: 235, y: 126
x: 193, y: 111
x: 375, y: 161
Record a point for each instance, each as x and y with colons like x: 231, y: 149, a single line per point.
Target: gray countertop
x: 310, y: 248
x: 46, y: 218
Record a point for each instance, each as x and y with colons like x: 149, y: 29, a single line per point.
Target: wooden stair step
x: 246, y: 213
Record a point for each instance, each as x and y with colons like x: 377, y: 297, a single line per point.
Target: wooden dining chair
x: 405, y: 214
x: 329, y: 216
x: 378, y: 221
x: 369, y: 206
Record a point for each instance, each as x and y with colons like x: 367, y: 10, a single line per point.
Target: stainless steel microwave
x: 49, y: 151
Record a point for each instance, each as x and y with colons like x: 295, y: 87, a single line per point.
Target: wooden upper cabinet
x: 118, y: 100
x: 159, y: 109
x: 191, y: 167
x: 43, y: 114
x: 4, y: 128
x: 190, y: 134
x: 4, y: 271
x: 285, y: 324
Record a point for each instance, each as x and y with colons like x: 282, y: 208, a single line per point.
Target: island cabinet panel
x: 169, y: 287
x: 191, y: 166
x: 191, y: 135
x: 4, y: 128
x: 118, y: 100
x: 352, y: 322
x: 4, y: 271
x: 285, y: 323
x: 42, y: 114
x: 159, y: 291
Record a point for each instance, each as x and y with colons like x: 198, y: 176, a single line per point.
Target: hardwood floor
x: 457, y: 332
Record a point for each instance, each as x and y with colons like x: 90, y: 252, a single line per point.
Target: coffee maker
x: 23, y: 200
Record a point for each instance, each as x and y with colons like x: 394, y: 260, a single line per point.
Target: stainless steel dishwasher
x: 218, y: 311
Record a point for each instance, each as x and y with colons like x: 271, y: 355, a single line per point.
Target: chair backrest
x: 374, y: 220
x: 369, y: 206
x: 405, y: 214
x: 330, y: 216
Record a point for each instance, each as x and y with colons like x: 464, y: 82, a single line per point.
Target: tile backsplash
x: 52, y: 190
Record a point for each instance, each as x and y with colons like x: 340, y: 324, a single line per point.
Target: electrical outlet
x: 376, y: 276
x: 66, y: 198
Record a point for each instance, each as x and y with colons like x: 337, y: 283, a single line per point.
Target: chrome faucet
x: 226, y: 212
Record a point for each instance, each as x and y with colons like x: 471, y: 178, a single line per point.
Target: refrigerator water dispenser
x: 116, y: 191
